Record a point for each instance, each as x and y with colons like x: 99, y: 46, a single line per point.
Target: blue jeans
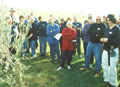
x: 32, y: 43
x: 95, y: 48
x: 42, y: 41
x: 54, y: 49
x: 24, y: 48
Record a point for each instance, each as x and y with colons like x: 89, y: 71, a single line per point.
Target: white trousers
x: 110, y: 72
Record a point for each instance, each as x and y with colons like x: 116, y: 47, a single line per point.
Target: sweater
x: 113, y: 36
x: 96, y: 31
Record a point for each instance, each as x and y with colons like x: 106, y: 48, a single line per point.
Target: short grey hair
x: 69, y: 22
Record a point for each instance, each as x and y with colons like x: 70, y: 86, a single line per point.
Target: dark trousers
x: 28, y: 47
x: 78, y: 44
x: 66, y: 55
x: 85, y: 48
x: 12, y: 49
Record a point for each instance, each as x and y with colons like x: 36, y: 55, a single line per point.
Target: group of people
x: 100, y: 39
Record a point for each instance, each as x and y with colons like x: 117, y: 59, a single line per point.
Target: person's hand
x: 104, y: 40
x: 97, y: 35
x: 77, y: 29
x: 101, y: 40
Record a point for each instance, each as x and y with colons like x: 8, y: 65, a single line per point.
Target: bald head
x: 98, y: 19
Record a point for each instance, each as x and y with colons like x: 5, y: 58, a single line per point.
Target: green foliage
x: 46, y: 15
x: 11, y: 68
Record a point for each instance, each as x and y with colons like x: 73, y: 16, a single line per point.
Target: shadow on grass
x: 42, y: 73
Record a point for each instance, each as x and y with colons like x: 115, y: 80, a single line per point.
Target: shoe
x: 59, y: 68
x: 32, y: 57
x: 83, y: 69
x: 68, y: 67
x: 91, y: 66
x: 42, y: 54
x: 96, y: 74
x: 80, y: 56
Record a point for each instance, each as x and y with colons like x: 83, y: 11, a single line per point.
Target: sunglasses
x: 98, y: 19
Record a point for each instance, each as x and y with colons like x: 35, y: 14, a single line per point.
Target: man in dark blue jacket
x: 42, y: 36
x: 77, y: 25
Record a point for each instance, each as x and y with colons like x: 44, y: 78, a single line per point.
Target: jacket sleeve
x: 74, y: 35
x: 90, y: 30
x: 69, y: 35
x: 49, y: 33
x: 85, y: 29
x: 54, y: 31
x: 66, y: 35
x: 115, y: 40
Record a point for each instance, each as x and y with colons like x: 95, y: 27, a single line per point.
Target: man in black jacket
x: 96, y: 32
x: 32, y: 36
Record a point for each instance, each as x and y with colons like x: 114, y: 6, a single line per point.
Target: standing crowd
x: 101, y: 40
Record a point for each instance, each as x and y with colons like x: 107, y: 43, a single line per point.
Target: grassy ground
x: 42, y: 73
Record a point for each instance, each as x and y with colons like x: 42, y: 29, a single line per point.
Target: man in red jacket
x: 69, y: 35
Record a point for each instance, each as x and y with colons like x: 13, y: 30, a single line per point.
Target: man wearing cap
x: 14, y: 29
x: 15, y: 20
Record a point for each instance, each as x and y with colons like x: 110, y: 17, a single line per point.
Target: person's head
x: 89, y: 16
x: 98, y: 19
x: 90, y: 21
x: 104, y: 19
x: 75, y: 19
x: 86, y: 21
x: 12, y: 11
x: 21, y: 18
x: 31, y: 19
x: 69, y: 19
x: 69, y: 24
x: 28, y: 17
x: 31, y: 14
x: 62, y: 20
x: 111, y: 19
x: 51, y: 20
x: 40, y: 18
